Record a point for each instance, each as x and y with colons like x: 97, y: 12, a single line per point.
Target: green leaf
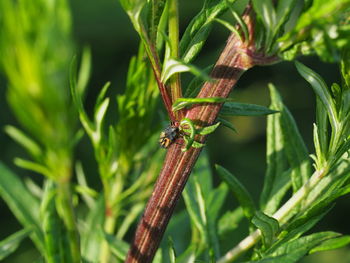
x: 173, y: 66
x: 240, y: 21
x: 333, y: 243
x: 276, y: 160
x: 294, y: 145
x: 77, y: 99
x: 215, y: 200
x: 101, y: 96
x: 22, y: 204
x: 81, y: 178
x: 11, y: 243
x: 31, y: 146
x: 277, y: 192
x: 301, y: 224
x: 244, y: 109
x: 227, y: 124
x: 320, y: 29
x: 55, y: 234
x: 266, y: 13
x: 198, y: 30
x: 284, y: 8
x: 192, y: 207
x: 230, y: 27
x: 242, y: 195
x: 172, y: 254
x: 188, y: 102
x: 268, y: 226
x: 32, y: 166
x: 156, y: 11
x: 189, y: 256
x: 203, y: 205
x: 209, y: 129
x: 91, y: 234
x: 118, y: 247
x: 321, y: 90
x: 294, y: 250
x: 194, y: 144
x: 84, y: 72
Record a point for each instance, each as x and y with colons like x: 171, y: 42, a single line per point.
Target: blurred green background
x: 105, y: 28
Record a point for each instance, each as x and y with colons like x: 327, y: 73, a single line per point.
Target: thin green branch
x: 282, y: 215
x: 175, y: 82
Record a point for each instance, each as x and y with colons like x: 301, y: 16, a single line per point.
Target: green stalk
x: 174, y: 82
x: 67, y: 213
x: 112, y: 210
x: 282, y: 215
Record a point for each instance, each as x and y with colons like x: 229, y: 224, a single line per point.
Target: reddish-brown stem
x: 235, y: 59
x: 178, y: 165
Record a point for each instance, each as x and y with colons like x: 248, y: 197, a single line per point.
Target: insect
x: 168, y: 136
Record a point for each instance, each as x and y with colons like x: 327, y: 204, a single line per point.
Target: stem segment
x: 178, y: 165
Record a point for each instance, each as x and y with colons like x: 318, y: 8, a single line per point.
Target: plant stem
x: 282, y: 215
x: 174, y: 83
x: 67, y: 214
x: 178, y: 165
x: 111, y: 215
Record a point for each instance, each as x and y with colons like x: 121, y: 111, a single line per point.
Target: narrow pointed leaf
x: 294, y: 250
x: 230, y: 27
x: 277, y: 192
x: 275, y: 158
x: 173, y: 66
x: 11, y: 243
x: 242, y: 195
x: 227, y: 124
x: 321, y: 90
x: 266, y: 12
x: 198, y: 30
x: 284, y: 8
x: 188, y: 102
x: 333, y: 243
x: 294, y: 145
x: 244, y: 109
x: 32, y: 166
x: 84, y: 72
x: 172, y: 254
x: 209, y: 129
x: 23, y: 205
x: 32, y: 147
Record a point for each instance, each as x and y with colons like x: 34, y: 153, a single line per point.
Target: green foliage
x: 70, y: 221
x: 322, y: 28
x: 22, y: 204
x: 242, y: 195
x: 268, y: 226
x: 10, y: 244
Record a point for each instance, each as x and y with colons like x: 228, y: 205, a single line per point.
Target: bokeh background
x: 104, y: 27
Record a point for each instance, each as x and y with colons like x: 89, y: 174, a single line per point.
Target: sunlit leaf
x: 173, y: 66
x: 11, y: 243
